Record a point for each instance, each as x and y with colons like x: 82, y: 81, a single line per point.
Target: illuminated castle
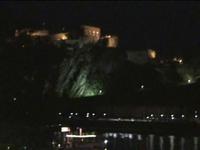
x: 86, y: 34
x: 90, y: 33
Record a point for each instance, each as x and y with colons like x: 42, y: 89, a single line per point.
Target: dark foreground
x: 19, y: 135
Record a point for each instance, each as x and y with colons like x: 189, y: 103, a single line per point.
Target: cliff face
x: 88, y: 70
x: 36, y: 68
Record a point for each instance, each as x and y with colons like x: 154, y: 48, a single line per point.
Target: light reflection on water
x: 130, y: 141
x: 154, y: 142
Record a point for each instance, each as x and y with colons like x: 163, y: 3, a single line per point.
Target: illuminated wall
x: 39, y: 33
x: 111, y: 41
x: 151, y: 53
x: 32, y: 33
x: 90, y: 33
x: 60, y: 36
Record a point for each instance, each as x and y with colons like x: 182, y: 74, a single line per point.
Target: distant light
x: 110, y: 134
x: 132, y: 119
x: 76, y: 114
x: 65, y: 129
x: 70, y: 117
x: 100, y: 91
x: 23, y: 46
x: 151, y: 115
x: 105, y: 141
x: 80, y: 136
x: 180, y: 61
x: 87, y: 115
x: 115, y: 135
x: 59, y: 113
x: 172, y: 118
x: 147, y: 117
x: 142, y: 86
x: 108, y: 36
x: 59, y: 145
x: 151, y: 53
x: 174, y: 59
x: 195, y: 111
x: 172, y: 115
x: 93, y: 114
x: 104, y: 114
x: 71, y: 113
x: 189, y: 81
x: 106, y: 135
x: 52, y: 142
x: 59, y: 124
x: 139, y: 137
x: 130, y: 136
x: 182, y: 116
x: 64, y: 37
x: 196, y: 116
x: 8, y: 147
x: 14, y: 99
x: 161, y: 115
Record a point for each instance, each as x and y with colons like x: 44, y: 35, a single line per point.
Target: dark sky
x: 167, y: 26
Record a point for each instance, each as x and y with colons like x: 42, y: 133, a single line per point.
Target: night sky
x: 172, y: 27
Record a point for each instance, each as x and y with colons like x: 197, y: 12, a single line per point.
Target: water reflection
x: 161, y: 142
x: 182, y: 143
x: 195, y: 143
x: 124, y: 141
x: 171, y: 138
